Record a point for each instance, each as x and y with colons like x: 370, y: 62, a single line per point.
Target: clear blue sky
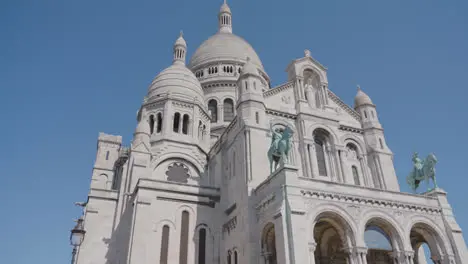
x: 69, y: 69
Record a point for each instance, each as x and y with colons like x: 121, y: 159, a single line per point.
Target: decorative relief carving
x: 182, y: 105
x: 286, y: 99
x: 178, y: 172
x: 355, y: 211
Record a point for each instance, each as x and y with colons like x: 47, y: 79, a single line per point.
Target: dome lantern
x: 180, y: 49
x: 225, y: 19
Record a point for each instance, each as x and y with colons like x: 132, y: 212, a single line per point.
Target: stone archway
x: 382, y: 241
x: 421, y: 234
x: 333, y: 237
x: 269, y: 244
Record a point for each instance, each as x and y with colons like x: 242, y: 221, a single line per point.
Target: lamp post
x: 76, y: 237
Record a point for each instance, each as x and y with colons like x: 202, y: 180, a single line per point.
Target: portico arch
x: 383, y: 239
x: 268, y: 240
x: 421, y: 233
x: 333, y: 236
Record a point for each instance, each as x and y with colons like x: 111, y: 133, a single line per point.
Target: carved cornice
x: 370, y: 201
x: 220, y: 84
x: 280, y: 113
x: 351, y: 129
x: 278, y: 89
x: 209, y: 204
x: 183, y: 105
x: 348, y: 109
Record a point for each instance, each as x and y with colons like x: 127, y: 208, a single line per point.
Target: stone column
x: 325, y: 94
x: 312, y: 246
x: 220, y: 113
x: 313, y: 159
x: 350, y: 259
x: 307, y: 160
x: 168, y: 119
x: 336, y: 157
x: 363, y: 178
x: 266, y: 257
x: 362, y: 255
x: 409, y: 257
x: 329, y: 163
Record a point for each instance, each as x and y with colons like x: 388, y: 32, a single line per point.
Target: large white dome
x: 177, y: 80
x: 224, y: 47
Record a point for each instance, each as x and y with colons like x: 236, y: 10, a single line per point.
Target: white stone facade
x: 195, y: 184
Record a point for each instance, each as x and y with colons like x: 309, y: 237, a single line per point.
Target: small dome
x: 180, y: 40
x: 178, y: 81
x: 362, y: 99
x: 224, y: 47
x: 249, y: 68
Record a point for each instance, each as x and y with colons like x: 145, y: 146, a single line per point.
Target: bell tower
x: 380, y: 156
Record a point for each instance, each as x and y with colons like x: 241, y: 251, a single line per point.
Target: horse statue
x: 278, y: 153
x: 422, y: 170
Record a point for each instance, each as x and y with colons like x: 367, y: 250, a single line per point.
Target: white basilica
x: 195, y: 187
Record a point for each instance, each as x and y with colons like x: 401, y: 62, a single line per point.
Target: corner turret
x: 380, y: 156
x: 250, y: 103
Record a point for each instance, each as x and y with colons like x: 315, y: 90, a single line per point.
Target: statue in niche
x: 278, y: 153
x: 423, y: 170
x: 178, y: 172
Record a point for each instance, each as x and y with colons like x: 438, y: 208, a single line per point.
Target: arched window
x: 202, y: 246
x: 235, y: 257
x: 184, y: 238
x: 163, y: 257
x: 372, y: 114
x: 355, y: 175
x: 255, y: 85
x: 213, y: 108
x: 176, y: 122
x: 229, y: 261
x: 203, y: 131
x: 185, y: 124
x: 381, y: 143
x: 257, y: 118
x: 320, y: 152
x: 246, y: 85
x: 228, y: 110
x: 159, y: 123
x: 151, y: 123
x: 107, y: 155
x: 352, y: 151
x: 365, y: 113
x: 200, y: 129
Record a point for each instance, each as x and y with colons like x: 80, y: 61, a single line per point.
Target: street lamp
x: 76, y: 237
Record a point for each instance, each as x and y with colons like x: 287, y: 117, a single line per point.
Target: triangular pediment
x: 344, y: 108
x: 140, y: 147
x: 281, y: 97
